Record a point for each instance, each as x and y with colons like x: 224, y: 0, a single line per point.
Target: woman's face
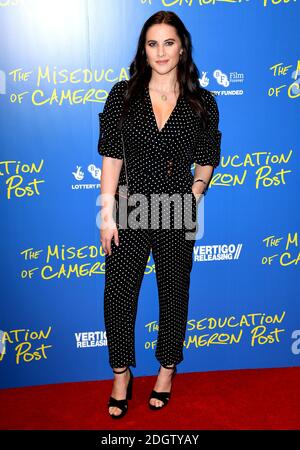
x: 162, y: 44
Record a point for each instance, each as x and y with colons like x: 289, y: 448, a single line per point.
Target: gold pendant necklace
x: 163, y: 97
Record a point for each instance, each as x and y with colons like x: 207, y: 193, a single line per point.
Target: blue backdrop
x: 59, y: 60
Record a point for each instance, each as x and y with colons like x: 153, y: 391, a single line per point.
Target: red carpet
x: 256, y: 399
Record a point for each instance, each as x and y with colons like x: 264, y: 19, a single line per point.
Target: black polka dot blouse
x: 158, y: 161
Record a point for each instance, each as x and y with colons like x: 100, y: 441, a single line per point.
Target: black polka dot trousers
x: 124, y: 271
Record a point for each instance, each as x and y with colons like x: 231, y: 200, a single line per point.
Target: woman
x: 168, y: 121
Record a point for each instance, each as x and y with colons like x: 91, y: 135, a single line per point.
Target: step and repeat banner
x: 58, y: 62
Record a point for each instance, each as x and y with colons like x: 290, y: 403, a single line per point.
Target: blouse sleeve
x: 110, y: 138
x: 208, y: 146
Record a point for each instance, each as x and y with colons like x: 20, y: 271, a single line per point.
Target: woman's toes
x: 114, y: 410
x: 156, y: 403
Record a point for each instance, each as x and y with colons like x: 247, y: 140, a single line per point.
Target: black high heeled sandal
x: 162, y: 396
x: 122, y: 404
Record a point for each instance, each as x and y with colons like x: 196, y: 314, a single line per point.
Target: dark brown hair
x: 187, y: 71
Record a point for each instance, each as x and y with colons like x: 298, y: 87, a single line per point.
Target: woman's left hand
x: 197, y: 190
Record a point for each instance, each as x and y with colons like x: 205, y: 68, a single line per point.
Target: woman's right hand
x: 110, y: 173
x: 106, y: 235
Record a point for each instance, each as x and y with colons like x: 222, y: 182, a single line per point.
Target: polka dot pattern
x: 124, y: 271
x: 150, y: 152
